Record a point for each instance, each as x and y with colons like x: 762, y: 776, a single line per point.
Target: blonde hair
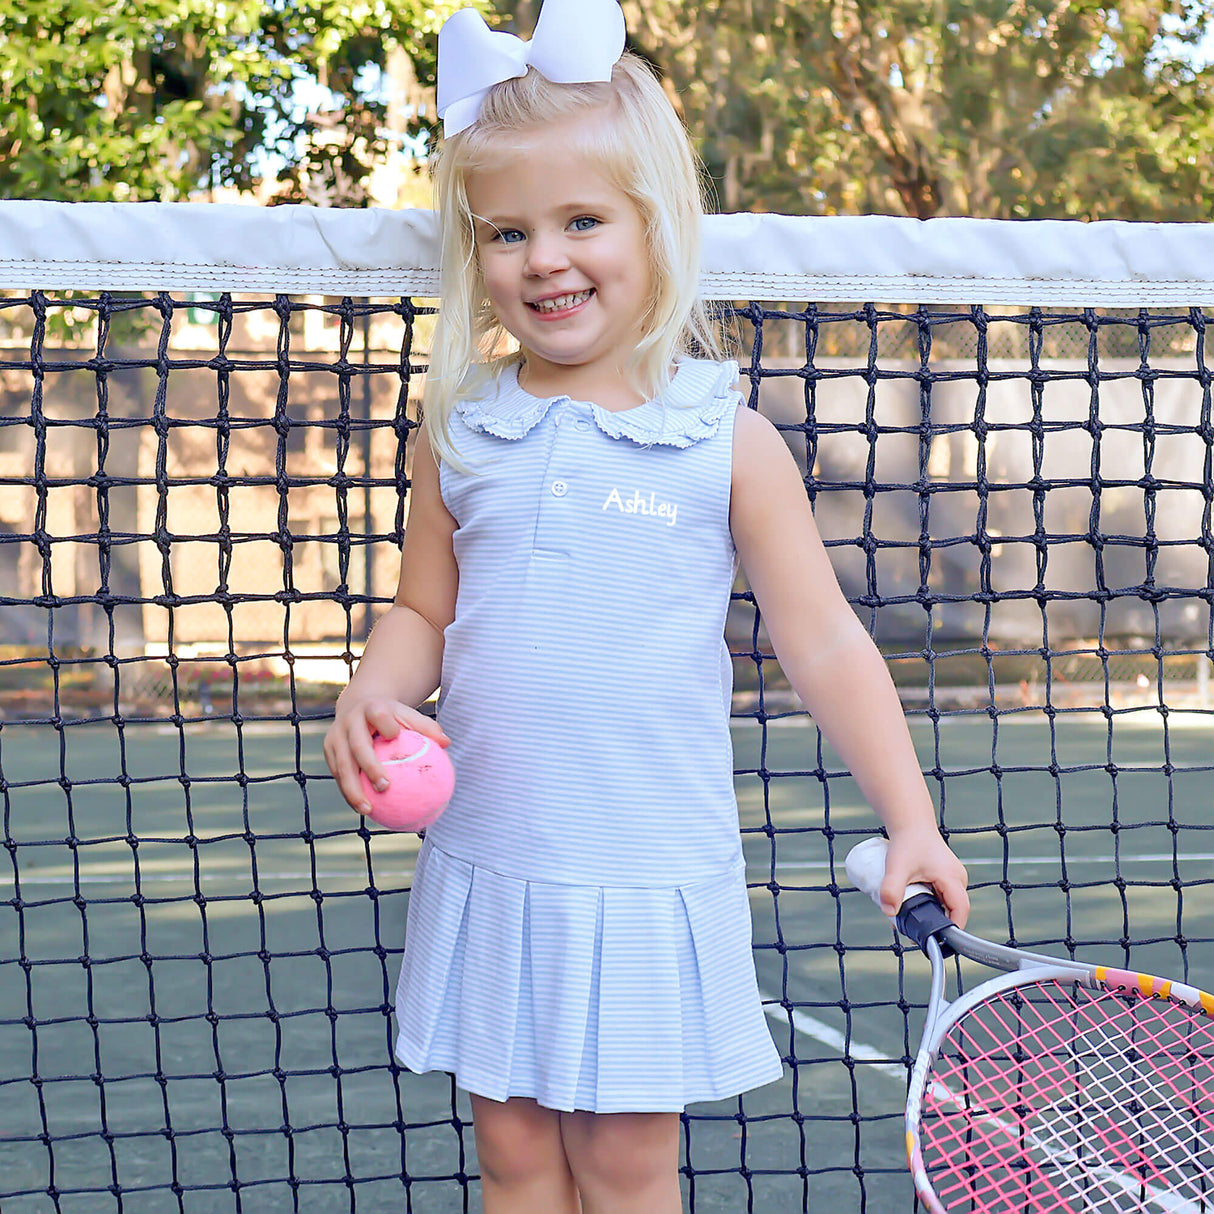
x: 643, y: 149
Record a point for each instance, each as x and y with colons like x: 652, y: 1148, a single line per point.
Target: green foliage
x: 1025, y: 109
x: 152, y: 99
x: 1008, y: 108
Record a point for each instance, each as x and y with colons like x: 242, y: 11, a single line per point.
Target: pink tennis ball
x: 421, y: 780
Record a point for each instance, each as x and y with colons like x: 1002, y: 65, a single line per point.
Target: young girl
x: 578, y: 946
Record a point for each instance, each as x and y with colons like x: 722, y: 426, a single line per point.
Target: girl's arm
x: 402, y: 660
x: 832, y: 662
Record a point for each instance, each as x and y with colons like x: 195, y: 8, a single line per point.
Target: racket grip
x: 920, y: 917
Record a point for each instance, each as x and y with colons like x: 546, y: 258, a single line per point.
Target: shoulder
x: 766, y: 485
x: 425, y: 492
x: 757, y: 444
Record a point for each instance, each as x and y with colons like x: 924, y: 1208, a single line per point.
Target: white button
x: 559, y: 488
x: 583, y: 425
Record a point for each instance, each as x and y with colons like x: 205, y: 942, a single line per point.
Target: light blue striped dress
x: 578, y: 929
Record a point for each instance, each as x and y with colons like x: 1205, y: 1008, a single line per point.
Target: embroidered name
x: 638, y: 503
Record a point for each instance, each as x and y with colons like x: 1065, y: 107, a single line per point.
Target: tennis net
x: 206, y: 423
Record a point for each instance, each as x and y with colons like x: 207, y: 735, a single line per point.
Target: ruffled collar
x: 691, y: 408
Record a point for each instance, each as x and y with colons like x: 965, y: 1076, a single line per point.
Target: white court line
x: 830, y: 1037
x: 826, y: 1035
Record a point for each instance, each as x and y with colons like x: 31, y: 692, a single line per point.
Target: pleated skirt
x: 607, y: 999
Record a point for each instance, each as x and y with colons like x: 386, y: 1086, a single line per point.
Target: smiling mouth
x: 562, y: 303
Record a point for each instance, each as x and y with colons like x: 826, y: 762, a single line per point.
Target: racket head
x: 1041, y: 1090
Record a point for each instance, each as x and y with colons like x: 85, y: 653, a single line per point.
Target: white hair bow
x: 575, y: 42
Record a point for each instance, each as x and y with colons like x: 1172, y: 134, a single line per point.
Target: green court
x: 199, y: 946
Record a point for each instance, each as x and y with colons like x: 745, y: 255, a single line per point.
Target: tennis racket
x: 1055, y: 1085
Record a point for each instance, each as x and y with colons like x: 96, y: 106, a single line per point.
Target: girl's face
x: 566, y: 269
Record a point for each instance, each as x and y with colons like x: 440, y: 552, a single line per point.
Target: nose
x: 546, y: 254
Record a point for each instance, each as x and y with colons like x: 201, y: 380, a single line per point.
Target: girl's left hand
x: 923, y: 856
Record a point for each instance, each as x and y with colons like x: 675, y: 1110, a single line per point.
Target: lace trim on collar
x: 689, y: 410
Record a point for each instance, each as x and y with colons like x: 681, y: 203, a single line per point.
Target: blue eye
x: 509, y: 236
x: 584, y: 223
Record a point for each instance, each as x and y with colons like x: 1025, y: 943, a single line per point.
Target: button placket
x: 553, y: 527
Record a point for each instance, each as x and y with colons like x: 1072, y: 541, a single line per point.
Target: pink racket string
x: 1063, y: 1098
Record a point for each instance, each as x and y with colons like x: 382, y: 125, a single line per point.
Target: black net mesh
x: 201, y: 507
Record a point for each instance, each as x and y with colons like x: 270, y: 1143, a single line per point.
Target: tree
x: 1031, y: 108
x: 154, y: 99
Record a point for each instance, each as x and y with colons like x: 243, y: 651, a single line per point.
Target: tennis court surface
x: 199, y: 516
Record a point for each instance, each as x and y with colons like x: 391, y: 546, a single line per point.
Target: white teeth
x: 561, y: 302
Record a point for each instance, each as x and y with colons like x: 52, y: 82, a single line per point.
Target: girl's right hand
x: 348, y: 748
